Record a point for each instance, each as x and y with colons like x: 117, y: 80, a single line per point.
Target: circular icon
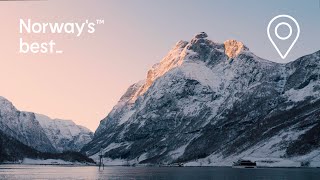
x: 290, y: 29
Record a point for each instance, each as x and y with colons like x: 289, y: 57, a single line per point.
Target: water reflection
x: 154, y: 173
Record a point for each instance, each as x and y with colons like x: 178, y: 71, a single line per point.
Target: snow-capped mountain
x: 41, y: 132
x: 64, y: 135
x: 23, y: 126
x: 211, y: 104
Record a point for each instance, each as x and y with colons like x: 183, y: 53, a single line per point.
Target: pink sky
x: 83, y: 83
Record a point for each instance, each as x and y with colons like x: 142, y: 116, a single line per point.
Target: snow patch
x: 301, y: 94
x: 126, y: 117
x: 178, y: 152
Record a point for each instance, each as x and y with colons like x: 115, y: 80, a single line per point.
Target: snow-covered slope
x: 23, y: 126
x: 64, y: 135
x: 215, y: 103
x: 40, y: 132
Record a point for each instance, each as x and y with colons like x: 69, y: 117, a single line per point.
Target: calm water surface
x: 183, y: 173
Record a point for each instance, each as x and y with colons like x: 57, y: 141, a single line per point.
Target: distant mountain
x: 40, y: 132
x: 23, y: 126
x: 64, y: 135
x: 208, y: 103
x: 12, y: 150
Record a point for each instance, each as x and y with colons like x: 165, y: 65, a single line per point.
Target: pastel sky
x: 87, y: 80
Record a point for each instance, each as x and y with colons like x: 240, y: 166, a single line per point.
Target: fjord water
x: 183, y: 173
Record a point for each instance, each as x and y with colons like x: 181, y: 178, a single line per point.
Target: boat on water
x: 177, y: 165
x: 244, y: 164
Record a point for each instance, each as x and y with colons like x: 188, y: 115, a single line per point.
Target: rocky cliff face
x: 23, y: 126
x: 40, y: 132
x: 214, y: 103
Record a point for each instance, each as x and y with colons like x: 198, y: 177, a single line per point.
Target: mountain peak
x: 5, y: 104
x: 201, y: 35
x: 233, y: 48
x: 200, y: 38
x: 200, y: 48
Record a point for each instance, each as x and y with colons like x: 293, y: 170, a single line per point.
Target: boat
x: 244, y: 164
x: 177, y: 165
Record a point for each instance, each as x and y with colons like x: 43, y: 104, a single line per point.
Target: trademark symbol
x: 100, y: 21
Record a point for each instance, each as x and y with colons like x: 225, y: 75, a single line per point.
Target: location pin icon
x: 286, y: 38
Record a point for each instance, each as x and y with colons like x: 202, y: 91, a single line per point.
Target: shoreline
x: 153, y: 166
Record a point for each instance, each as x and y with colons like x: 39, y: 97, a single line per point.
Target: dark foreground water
x: 183, y: 173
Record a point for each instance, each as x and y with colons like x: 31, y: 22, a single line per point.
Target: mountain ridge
x: 65, y: 135
x: 214, y: 103
x: 40, y: 132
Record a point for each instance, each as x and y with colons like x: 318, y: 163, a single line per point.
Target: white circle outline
x: 276, y: 31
